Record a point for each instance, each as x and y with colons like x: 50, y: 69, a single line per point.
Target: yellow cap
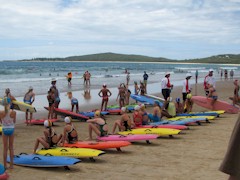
x: 97, y: 113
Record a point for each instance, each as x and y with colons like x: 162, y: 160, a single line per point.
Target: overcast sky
x: 176, y: 29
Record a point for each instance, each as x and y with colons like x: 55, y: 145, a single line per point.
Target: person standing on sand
x: 121, y: 95
x: 8, y: 120
x: 209, y: 79
x: 87, y: 77
x: 231, y: 162
x: 236, y: 93
x: 104, y: 93
x: 186, y: 87
x: 142, y: 89
x: 128, y: 77
x: 166, y: 86
x: 54, y: 89
x: 69, y: 78
x: 196, y: 76
x: 29, y: 98
x: 145, y: 78
x: 231, y: 74
x: 51, y: 100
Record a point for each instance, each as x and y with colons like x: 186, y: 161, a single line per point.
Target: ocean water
x: 18, y: 76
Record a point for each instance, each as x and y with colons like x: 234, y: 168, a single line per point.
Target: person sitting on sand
x: 98, y: 125
x: 104, y: 93
x: 29, y: 98
x: 136, y: 88
x: 236, y: 95
x: 51, y: 100
x: 212, y: 94
x: 169, y: 109
x: 137, y: 116
x: 144, y: 114
x: 156, y: 116
x: 8, y: 120
x: 74, y: 101
x: 121, y: 95
x: 70, y: 134
x: 50, y: 138
x: 188, y: 103
x: 178, y: 106
x: 125, y: 123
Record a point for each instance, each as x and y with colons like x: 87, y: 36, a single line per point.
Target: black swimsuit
x: 70, y: 138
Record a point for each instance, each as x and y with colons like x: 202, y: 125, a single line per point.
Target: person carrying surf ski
x: 29, y: 98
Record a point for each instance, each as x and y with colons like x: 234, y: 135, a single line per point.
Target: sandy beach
x: 196, y: 154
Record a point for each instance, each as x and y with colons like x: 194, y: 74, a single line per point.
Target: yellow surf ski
x: 158, y: 131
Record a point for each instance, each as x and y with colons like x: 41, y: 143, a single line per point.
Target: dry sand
x: 196, y: 154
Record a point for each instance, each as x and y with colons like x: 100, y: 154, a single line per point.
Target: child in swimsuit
x: 70, y: 134
x: 29, y: 98
x: 104, y: 93
x: 124, y: 123
x: 50, y: 138
x: 74, y: 101
x: 236, y: 95
x: 212, y: 94
x: 144, y: 115
x: 136, y: 88
x: 137, y: 116
x: 8, y: 120
x: 179, y: 106
x: 98, y: 125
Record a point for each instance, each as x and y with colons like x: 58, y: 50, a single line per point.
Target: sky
x: 175, y: 29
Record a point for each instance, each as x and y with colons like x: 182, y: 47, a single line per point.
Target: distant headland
x: 218, y: 59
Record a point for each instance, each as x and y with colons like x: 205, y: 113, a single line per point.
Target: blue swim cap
x: 2, y: 169
x: 178, y: 100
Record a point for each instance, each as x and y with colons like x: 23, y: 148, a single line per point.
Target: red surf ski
x: 218, y: 105
x: 73, y: 115
x: 40, y: 121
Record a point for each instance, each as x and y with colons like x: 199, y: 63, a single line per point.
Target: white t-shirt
x: 209, y: 80
x: 184, y: 90
x: 164, y: 83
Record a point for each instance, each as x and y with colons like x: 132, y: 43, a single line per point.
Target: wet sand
x: 196, y: 154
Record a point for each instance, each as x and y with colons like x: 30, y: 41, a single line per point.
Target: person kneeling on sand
x: 236, y: 95
x: 169, y: 109
x: 212, y: 94
x: 125, y: 123
x: 74, y: 101
x: 156, y: 116
x: 178, y: 106
x: 50, y: 139
x: 98, y: 125
x: 137, y: 116
x: 188, y: 103
x: 70, y: 134
x: 144, y: 114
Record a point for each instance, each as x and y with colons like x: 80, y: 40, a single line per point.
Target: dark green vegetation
x: 221, y: 59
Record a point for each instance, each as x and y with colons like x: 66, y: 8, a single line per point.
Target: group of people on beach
x: 98, y: 124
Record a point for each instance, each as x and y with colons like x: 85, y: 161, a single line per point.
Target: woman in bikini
x: 104, y: 93
x: 50, y: 138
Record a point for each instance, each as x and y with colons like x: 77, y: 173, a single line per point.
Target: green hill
x: 219, y: 59
x: 106, y: 57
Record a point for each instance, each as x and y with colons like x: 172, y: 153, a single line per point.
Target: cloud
x: 117, y: 24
